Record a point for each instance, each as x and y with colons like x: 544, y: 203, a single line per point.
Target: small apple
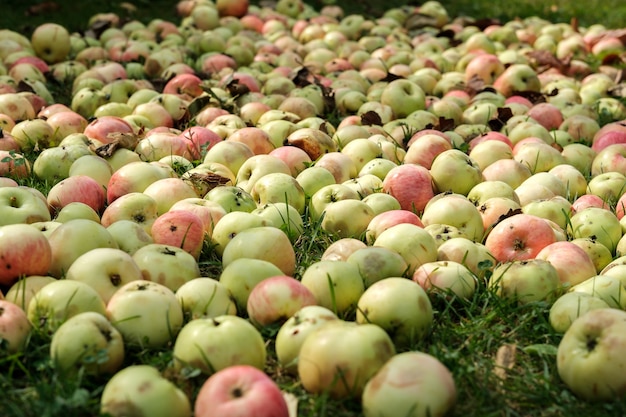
x: 14, y: 326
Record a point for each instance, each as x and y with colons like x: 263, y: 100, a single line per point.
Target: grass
x: 467, y: 336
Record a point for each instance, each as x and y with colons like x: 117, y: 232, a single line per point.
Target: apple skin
x: 166, y: 265
x: 180, y: 228
x: 340, y: 357
x: 213, y: 344
x: 142, y: 389
x: 404, y: 326
x: 51, y: 42
x: 412, y: 242
x: 411, y: 185
x: 526, y: 280
x: 519, y: 237
x: 14, y: 326
x: 242, y: 275
x: 274, y: 300
x: 347, y: 285
x: 294, y: 331
x: 57, y: 301
x: 23, y: 290
x: 79, y: 342
x: 19, y: 205
x: 205, y: 297
x: 263, y: 242
x: 74, y: 238
x: 105, y: 270
x: 80, y: 188
x: 589, y: 356
x: 410, y: 383
x: 147, y: 314
x: 240, y: 391
x: 24, y: 251
x: 450, y: 277
x: 569, y: 306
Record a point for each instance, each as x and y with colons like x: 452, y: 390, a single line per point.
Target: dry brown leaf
x: 505, y: 360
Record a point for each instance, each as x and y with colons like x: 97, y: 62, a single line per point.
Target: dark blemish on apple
x: 173, y: 228
x: 237, y: 393
x: 116, y: 279
x: 139, y: 218
x: 145, y: 386
x: 591, y: 344
x: 168, y: 251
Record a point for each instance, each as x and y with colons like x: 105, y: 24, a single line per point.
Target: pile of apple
x: 440, y: 157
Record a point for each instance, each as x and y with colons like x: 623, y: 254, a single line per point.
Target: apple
x: 24, y: 251
x: 275, y: 299
x: 278, y: 187
x: 147, y: 314
x: 79, y: 188
x: 20, y: 205
x: 23, y: 290
x: 569, y: 306
x: 232, y: 198
x: 517, y: 78
x: 51, y: 42
x: 586, y: 363
x: 347, y: 218
x: 214, y: 344
x: 105, y: 270
x: 341, y: 249
x: 57, y: 301
x: 600, y: 223
x: 519, y: 237
x: 89, y: 342
x: 133, y: 206
x: 258, y: 166
x: 606, y: 287
x: 243, y: 274
x: 14, y: 327
x: 294, y: 331
x: 340, y: 357
x: 53, y: 164
x: 376, y: 263
x: 411, y: 185
x: 404, y: 97
x: 455, y: 210
x: 526, y: 280
x: 262, y: 242
x: 337, y: 285
x: 572, y: 263
x: 410, y: 383
x: 74, y: 238
x: 142, y: 388
x: 282, y: 216
x: 328, y: 194
x: 450, y: 277
x: 204, y: 297
x: 404, y: 326
x: 135, y: 177
x: 238, y: 391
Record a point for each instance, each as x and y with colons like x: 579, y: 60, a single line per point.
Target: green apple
x: 142, y: 389
x: 340, y: 357
x: 410, y: 383
x: 129, y: 235
x: 87, y: 341
x: 205, y: 297
x: 450, y: 277
x: 14, y: 326
x: 606, y: 287
x: 412, y: 242
x: 569, y: 306
x: 294, y: 331
x: 384, y: 304
x: 526, y: 281
x: 74, y: 238
x: 376, y: 263
x: 590, y: 355
x: 241, y: 275
x: 19, y: 205
x: 166, y: 265
x: 22, y: 291
x: 147, y: 314
x: 213, y: 344
x: 105, y: 270
x: 337, y: 285
x: 267, y: 243
x: 57, y: 301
